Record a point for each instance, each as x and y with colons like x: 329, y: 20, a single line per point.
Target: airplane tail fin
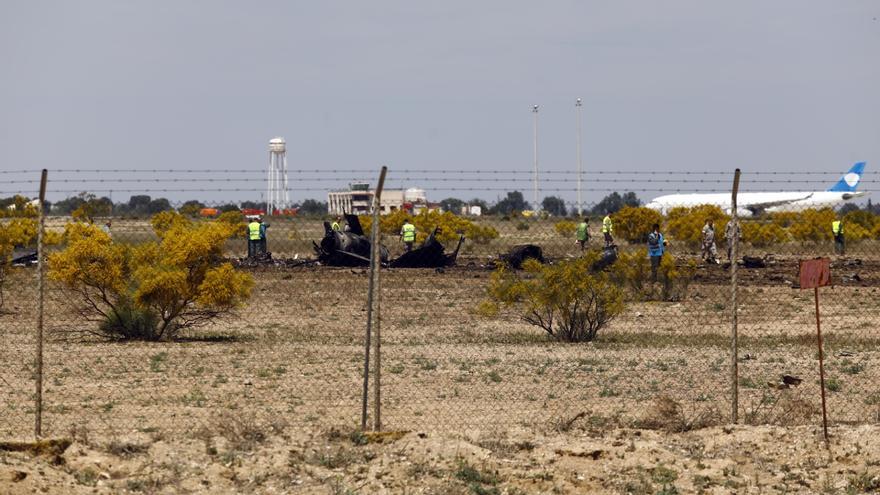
x: 850, y: 181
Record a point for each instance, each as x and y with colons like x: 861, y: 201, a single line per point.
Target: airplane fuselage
x: 752, y: 203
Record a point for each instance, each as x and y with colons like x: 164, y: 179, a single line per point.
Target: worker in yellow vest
x: 583, y: 233
x: 408, y: 235
x: 254, y: 237
x: 336, y: 225
x: 839, y: 241
x: 608, y: 229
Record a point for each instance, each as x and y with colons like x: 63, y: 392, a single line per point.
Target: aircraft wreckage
x: 352, y: 248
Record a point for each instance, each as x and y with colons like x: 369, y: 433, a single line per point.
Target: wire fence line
x: 295, y: 351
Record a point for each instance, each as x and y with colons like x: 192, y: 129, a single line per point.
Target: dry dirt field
x: 269, y: 402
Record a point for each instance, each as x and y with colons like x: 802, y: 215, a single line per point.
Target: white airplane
x: 749, y: 204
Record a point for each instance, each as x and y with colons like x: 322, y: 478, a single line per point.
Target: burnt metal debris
x: 607, y: 258
x: 520, y: 253
x: 431, y: 254
x: 348, y: 248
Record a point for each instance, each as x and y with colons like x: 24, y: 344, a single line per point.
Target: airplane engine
x: 740, y: 212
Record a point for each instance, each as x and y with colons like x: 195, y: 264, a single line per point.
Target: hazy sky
x: 680, y: 85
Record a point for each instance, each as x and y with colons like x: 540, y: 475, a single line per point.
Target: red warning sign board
x: 815, y: 273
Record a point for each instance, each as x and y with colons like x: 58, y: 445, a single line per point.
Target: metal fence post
x: 374, y: 255
x: 734, y: 365
x: 38, y: 396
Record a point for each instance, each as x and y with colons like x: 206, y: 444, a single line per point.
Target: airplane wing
x: 758, y: 207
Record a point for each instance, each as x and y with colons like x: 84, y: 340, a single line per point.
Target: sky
x: 124, y: 88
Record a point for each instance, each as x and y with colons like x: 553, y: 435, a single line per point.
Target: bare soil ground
x: 235, y: 457
x: 268, y: 402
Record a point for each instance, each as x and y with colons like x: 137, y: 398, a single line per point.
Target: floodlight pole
x: 578, y: 106
x: 535, y: 192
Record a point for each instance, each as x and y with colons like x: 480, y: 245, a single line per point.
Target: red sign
x: 815, y: 273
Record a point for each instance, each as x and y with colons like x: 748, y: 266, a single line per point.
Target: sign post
x: 814, y: 274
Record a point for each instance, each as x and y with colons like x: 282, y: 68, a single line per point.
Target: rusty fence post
x: 374, y: 255
x: 734, y: 350
x: 38, y: 359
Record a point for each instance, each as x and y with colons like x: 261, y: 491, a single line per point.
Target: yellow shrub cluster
x: 20, y: 207
x: 634, y: 223
x: 763, y: 234
x: 451, y: 226
x: 155, y: 289
x: 565, y: 228
x: 686, y: 224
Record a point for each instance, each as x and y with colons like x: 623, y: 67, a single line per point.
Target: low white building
x: 358, y: 198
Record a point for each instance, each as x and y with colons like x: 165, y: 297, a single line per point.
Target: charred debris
x: 351, y: 247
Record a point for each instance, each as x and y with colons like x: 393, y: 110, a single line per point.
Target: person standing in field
x: 733, y: 232
x: 656, y: 248
x: 408, y: 235
x: 709, y: 252
x: 608, y: 229
x: 583, y: 233
x: 263, y: 238
x: 839, y: 240
x: 254, y: 230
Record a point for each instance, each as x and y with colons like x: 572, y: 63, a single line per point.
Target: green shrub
x: 566, y: 300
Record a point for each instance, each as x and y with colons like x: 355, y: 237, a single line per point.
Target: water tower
x: 277, y: 196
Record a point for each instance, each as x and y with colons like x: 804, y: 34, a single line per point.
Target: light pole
x: 580, y: 166
x: 535, y: 192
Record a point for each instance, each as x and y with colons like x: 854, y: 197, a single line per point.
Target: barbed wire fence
x: 294, y: 354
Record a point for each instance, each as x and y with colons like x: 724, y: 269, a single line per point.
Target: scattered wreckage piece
x: 431, y: 254
x: 23, y: 257
x: 348, y: 248
x: 520, y: 253
x: 606, y: 259
x: 753, y: 262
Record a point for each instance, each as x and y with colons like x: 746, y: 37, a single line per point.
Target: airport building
x: 358, y: 198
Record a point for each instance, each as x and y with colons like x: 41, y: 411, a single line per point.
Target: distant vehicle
x: 252, y: 212
x: 209, y: 212
x: 749, y: 204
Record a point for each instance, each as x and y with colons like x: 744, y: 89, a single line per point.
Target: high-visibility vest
x: 837, y: 227
x: 254, y: 231
x: 582, y: 231
x: 607, y: 227
x: 408, y: 232
x: 335, y: 226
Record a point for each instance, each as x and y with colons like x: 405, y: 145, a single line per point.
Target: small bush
x: 565, y: 228
x: 674, y: 279
x: 130, y: 323
x: 522, y: 226
x: 566, y: 300
x: 633, y: 270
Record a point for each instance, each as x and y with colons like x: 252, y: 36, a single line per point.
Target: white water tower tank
x: 415, y: 195
x: 277, y: 145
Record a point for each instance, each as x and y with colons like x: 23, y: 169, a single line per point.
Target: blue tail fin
x: 850, y: 181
